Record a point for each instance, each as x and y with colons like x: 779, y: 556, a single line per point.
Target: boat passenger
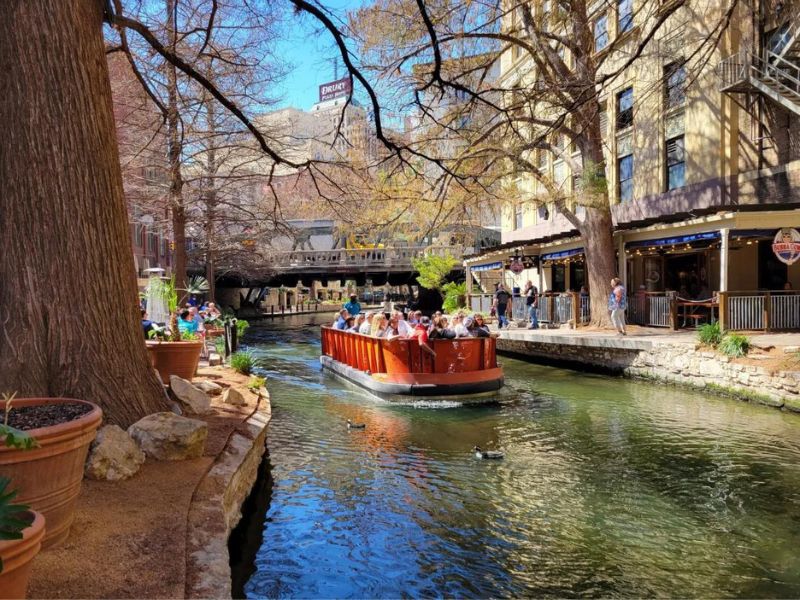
x: 403, y: 327
x: 353, y: 307
x: 366, y: 323
x: 359, y: 321
x: 350, y: 325
x: 414, y: 318
x: 341, y: 318
x: 393, y: 327
x: 378, y: 325
x: 478, y: 328
x: 440, y: 331
x: 459, y: 326
x: 420, y: 333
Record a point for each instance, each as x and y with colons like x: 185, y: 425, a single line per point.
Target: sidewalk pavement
x: 637, y: 338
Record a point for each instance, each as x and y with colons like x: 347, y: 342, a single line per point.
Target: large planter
x: 48, y: 478
x: 214, y: 332
x: 175, y: 358
x: 18, y: 558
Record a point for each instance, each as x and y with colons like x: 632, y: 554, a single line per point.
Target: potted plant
x: 176, y: 353
x: 47, y: 472
x: 21, y: 533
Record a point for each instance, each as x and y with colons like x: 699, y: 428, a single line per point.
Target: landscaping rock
x: 214, y: 359
x: 166, y: 436
x: 113, y: 455
x: 209, y: 387
x: 234, y: 396
x: 195, y: 401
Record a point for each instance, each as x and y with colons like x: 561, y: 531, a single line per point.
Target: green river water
x: 609, y: 488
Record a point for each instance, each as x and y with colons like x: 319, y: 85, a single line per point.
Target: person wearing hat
x: 353, y: 307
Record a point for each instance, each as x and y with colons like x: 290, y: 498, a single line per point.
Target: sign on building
x: 786, y: 245
x: 335, y: 89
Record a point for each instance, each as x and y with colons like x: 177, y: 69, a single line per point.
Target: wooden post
x: 272, y: 309
x: 767, y: 311
x: 673, y: 313
x: 576, y: 308
x: 722, y: 298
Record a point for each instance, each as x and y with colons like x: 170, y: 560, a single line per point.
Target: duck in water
x: 487, y: 454
x: 351, y: 425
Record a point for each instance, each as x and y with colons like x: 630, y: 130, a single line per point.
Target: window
x: 151, y: 243
x: 624, y: 16
x: 545, y: 16
x: 676, y: 163
x: 601, y: 33
x: 543, y: 213
x: 138, y: 236
x: 542, y: 160
x: 625, y: 177
x: 625, y: 108
x: 674, y: 85
x: 518, y: 216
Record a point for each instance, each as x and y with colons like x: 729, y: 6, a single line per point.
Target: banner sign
x: 334, y: 89
x: 786, y: 245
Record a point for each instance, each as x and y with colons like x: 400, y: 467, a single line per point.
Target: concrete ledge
x: 663, y: 359
x: 216, y: 506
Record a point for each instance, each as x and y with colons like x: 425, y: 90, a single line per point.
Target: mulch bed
x: 34, y: 417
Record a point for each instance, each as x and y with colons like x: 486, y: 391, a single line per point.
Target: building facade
x: 702, y: 161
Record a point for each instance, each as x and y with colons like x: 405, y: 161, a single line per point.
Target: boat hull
x: 466, y: 386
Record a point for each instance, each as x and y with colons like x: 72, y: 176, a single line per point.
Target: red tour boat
x: 400, y: 367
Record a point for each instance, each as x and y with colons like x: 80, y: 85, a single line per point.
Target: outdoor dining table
x: 709, y: 304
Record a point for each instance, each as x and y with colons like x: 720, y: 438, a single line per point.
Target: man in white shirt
x: 366, y: 326
x: 403, y: 328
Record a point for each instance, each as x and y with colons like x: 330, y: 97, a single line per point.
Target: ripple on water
x: 608, y: 488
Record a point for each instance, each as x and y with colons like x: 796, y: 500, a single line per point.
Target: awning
x: 674, y: 241
x: 562, y: 254
x: 487, y: 267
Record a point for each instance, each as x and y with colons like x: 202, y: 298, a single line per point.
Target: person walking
x: 501, y: 298
x: 532, y: 302
x: 617, y: 303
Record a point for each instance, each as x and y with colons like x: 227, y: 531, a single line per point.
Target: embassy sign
x: 335, y: 89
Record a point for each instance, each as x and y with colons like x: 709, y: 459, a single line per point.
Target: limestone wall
x: 681, y: 364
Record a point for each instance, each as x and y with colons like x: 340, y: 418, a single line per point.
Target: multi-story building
x: 702, y: 162
x: 142, y: 152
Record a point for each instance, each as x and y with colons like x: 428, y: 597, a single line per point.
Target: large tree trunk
x: 601, y: 265
x: 69, y: 322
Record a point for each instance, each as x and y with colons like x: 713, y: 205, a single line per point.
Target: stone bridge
x: 380, y: 265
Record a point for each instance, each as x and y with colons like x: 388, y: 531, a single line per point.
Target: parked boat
x: 392, y: 368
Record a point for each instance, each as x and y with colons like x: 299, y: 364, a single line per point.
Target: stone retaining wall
x: 216, y: 506
x: 682, y: 364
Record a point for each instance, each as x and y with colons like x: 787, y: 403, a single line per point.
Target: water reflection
x: 609, y: 488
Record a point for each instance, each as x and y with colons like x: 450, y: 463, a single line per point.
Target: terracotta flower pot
x: 214, y: 332
x: 48, y: 478
x: 18, y: 558
x: 175, y: 358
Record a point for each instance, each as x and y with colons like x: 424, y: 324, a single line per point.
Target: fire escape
x: 775, y: 74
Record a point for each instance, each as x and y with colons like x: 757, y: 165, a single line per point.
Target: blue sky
x: 311, y: 51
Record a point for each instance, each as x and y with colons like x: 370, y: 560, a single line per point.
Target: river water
x: 608, y: 488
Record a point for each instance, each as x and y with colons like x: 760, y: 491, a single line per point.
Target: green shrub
x: 709, y: 334
x: 734, y: 345
x: 454, y: 295
x: 241, y: 327
x: 243, y: 361
x: 256, y: 383
x: 219, y: 345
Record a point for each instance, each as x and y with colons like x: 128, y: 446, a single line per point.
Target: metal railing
x: 585, y: 309
x: 745, y: 312
x: 761, y: 310
x: 650, y: 309
x: 563, y: 309
x: 400, y: 256
x: 481, y: 303
x: 772, y: 70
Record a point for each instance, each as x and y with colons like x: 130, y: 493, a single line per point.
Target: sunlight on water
x: 609, y: 488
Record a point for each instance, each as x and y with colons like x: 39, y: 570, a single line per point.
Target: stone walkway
x: 637, y: 338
